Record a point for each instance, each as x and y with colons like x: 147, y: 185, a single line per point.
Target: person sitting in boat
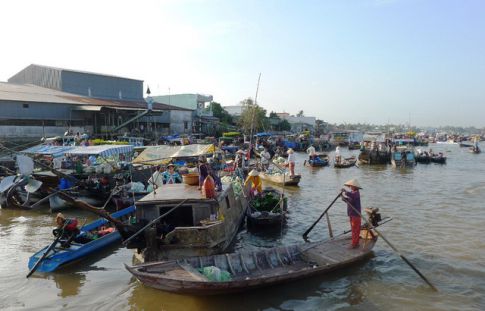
x: 67, y: 228
x: 311, y: 152
x: 171, y: 176
x: 291, y: 162
x: 253, y: 183
x: 203, y: 171
x: 352, y: 198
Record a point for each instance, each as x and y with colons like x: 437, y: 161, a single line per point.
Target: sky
x: 343, y: 61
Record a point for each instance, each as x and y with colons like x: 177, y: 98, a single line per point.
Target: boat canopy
x: 379, y: 138
x: 101, y: 150
x: 55, y: 151
x: 160, y: 154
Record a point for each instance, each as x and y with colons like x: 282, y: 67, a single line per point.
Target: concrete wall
x: 37, y: 111
x: 177, y: 122
x: 37, y: 132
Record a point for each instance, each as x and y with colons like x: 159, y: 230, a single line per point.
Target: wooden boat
x: 320, y: 160
x: 438, y: 158
x: 423, y: 158
x: 280, y: 179
x: 346, y: 163
x: 193, y: 225
x: 373, y: 157
x: 248, y: 270
x: 263, y: 213
x: 354, y: 145
x: 403, y: 157
x: 475, y: 149
x: 83, y: 244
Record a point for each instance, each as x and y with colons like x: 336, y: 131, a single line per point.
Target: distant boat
x: 83, y: 245
x: 403, y: 157
x: 346, y: 163
x: 282, y: 179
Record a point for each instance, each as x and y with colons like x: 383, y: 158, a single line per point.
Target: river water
x: 438, y: 216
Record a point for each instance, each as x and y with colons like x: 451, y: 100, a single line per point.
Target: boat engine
x: 373, y: 215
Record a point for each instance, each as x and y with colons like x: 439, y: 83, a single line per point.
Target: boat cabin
x: 197, y: 226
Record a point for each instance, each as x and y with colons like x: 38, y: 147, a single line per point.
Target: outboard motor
x: 373, y: 215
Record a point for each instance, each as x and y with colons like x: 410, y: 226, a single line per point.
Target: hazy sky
x: 373, y: 61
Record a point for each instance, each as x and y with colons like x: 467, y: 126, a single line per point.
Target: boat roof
x: 55, y: 151
x: 178, y: 192
x: 101, y: 150
x: 157, y: 154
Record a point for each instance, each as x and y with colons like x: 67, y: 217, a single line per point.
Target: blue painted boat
x: 83, y: 245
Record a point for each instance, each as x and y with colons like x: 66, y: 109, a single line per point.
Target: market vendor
x: 171, y: 176
x: 67, y: 227
x: 253, y: 183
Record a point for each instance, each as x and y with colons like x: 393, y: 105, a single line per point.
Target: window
x: 25, y: 105
x: 186, y: 125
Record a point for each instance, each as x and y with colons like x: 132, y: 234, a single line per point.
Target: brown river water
x: 438, y: 223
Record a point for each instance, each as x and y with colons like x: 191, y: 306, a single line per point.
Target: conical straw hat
x: 353, y: 182
x: 253, y: 173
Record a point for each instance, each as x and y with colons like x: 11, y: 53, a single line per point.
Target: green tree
x: 300, y: 113
x: 284, y: 125
x: 220, y: 113
x: 253, y: 117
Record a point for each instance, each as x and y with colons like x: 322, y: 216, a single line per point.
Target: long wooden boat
x: 248, y: 270
x: 83, y: 245
x: 281, y: 179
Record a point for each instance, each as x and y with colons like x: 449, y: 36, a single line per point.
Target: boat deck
x: 177, y: 192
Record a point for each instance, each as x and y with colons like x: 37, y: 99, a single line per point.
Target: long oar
x: 152, y: 222
x: 37, y: 264
x: 392, y: 247
x: 324, y: 212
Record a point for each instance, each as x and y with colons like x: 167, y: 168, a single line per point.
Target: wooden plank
x: 243, y: 264
x: 193, y: 273
x: 229, y: 263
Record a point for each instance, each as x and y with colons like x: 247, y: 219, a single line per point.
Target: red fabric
x: 355, y: 225
x: 72, y: 225
x: 209, y: 188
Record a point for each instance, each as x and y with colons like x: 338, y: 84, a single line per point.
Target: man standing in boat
x: 352, y: 198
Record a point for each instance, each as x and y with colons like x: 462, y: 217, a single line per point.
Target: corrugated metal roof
x: 33, y: 93
x: 80, y: 71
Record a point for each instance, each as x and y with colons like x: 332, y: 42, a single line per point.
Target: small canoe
x: 320, y: 160
x: 346, y: 163
x: 84, y: 244
x: 280, y: 179
x: 248, y: 270
x: 438, y: 159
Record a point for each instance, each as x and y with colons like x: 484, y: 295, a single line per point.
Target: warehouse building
x: 41, y: 101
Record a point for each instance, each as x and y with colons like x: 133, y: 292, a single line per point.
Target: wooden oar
x: 37, y: 264
x: 324, y: 212
x: 392, y: 246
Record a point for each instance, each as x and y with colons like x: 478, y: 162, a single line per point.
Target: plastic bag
x: 215, y: 274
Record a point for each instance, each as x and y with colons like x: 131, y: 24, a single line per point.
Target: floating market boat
x: 423, y: 157
x: 86, y: 243
x: 267, y: 210
x: 320, y: 160
x: 192, y: 225
x: 245, y: 270
x: 438, y: 158
x: 346, y: 163
x: 282, y: 179
x: 403, y: 157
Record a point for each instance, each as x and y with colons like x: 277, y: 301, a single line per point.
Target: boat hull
x: 63, y: 256
x: 280, y: 180
x: 252, y: 270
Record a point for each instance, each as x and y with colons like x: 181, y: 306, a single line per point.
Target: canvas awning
x: 101, y: 150
x: 159, y: 154
x: 55, y: 151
